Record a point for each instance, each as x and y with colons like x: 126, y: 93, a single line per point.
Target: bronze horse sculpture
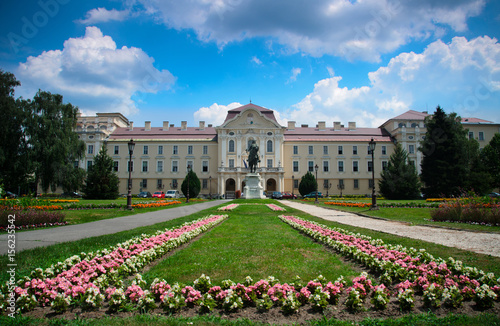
x: 253, y: 156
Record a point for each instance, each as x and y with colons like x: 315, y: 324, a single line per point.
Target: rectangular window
x: 325, y: 166
x: 144, y: 183
x: 159, y: 184
x: 370, y: 183
x: 384, y: 150
x: 175, y: 150
x: 175, y: 166
x: 471, y: 135
x: 411, y: 149
x: 231, y: 163
x: 481, y: 135
x: 204, y: 166
x: 326, y: 184
x: 341, y: 184
x: 310, y: 166
x: 90, y: 149
x: 117, y: 150
x: 89, y: 165
x: 160, y: 150
x: 341, y: 150
x: 159, y: 166
x: 311, y: 150
x: 295, y: 183
x: 130, y: 166
x: 269, y: 163
x: 295, y: 166
x: 144, y: 166
x: 146, y: 150
x: 325, y: 150
x: 356, y: 184
x: 369, y: 151
x: 189, y: 165
x: 269, y: 146
x: 190, y: 149
x: 341, y: 166
x: 384, y: 165
x: 205, y: 150
x: 204, y: 184
x: 174, y: 183
x: 295, y: 150
x: 370, y: 166
x: 355, y: 166
x: 115, y: 166
x: 355, y: 150
x: 231, y: 146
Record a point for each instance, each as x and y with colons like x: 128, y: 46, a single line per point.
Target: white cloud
x: 351, y: 29
x: 256, y: 60
x: 462, y: 76
x: 93, y: 74
x: 215, y: 113
x: 102, y: 15
x: 295, y: 73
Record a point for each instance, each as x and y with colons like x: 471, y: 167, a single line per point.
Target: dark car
x: 494, y: 194
x: 71, y: 194
x: 313, y: 195
x: 9, y: 194
x: 144, y: 194
x: 276, y: 195
x: 288, y: 195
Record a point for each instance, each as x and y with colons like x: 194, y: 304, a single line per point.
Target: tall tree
x: 400, y: 179
x: 194, y: 185
x: 52, y: 139
x: 14, y: 162
x: 491, y: 158
x: 102, y: 182
x: 445, y: 160
x: 308, y: 183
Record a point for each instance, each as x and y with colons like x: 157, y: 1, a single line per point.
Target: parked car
x: 71, y: 194
x: 158, y: 194
x: 9, y: 194
x: 276, y: 195
x: 172, y: 194
x: 288, y: 195
x: 494, y: 194
x: 144, y: 194
x: 313, y: 195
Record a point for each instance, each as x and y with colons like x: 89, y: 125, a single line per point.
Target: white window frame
x: 175, y: 166
x: 159, y: 166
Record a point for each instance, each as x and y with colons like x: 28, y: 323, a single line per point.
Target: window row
x: 174, y: 184
x: 341, y: 149
x: 159, y: 166
x: 146, y: 150
x: 269, y: 146
x: 340, y: 166
x: 340, y: 185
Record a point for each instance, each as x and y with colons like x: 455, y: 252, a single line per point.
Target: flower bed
x: 410, y: 271
x: 228, y: 208
x: 156, y: 204
x: 82, y: 280
x: 30, y: 218
x: 348, y: 204
x: 468, y: 210
x: 276, y: 208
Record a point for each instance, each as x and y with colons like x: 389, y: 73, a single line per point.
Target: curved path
x: 480, y: 242
x: 46, y: 237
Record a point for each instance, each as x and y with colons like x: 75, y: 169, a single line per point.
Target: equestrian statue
x: 253, y: 156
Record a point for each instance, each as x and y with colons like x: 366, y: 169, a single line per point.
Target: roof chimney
x: 209, y: 125
x: 336, y: 125
x: 352, y: 125
x: 202, y: 125
x: 184, y: 125
x: 321, y: 125
x: 131, y: 125
x: 304, y: 126
x: 147, y: 126
x: 165, y: 125
x: 291, y: 125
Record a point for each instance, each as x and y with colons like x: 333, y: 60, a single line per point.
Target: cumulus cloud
x: 103, y: 15
x: 215, y: 113
x: 295, y: 73
x: 93, y: 74
x: 256, y: 60
x: 356, y: 30
x: 470, y: 69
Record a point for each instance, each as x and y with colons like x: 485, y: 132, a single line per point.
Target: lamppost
x: 316, y: 169
x: 327, y: 186
x: 293, y: 185
x: 210, y: 187
x: 188, y: 170
x: 371, y: 146
x: 131, y: 146
x: 340, y: 187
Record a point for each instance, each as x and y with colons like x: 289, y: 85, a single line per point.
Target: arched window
x: 402, y: 125
x: 269, y: 146
x: 231, y: 146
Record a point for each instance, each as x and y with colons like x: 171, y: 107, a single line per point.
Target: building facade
x: 337, y: 154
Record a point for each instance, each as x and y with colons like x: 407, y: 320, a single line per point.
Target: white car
x: 172, y: 194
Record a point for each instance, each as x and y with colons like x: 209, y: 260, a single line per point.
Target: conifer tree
x: 194, y: 185
x: 102, y: 182
x: 307, y: 183
x: 400, y: 179
x: 490, y: 156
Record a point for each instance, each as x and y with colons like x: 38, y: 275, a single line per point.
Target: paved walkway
x: 46, y: 237
x: 480, y: 242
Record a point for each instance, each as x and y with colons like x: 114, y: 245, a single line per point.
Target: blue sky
x: 310, y: 61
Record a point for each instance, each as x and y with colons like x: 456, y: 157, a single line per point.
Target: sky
x: 316, y: 60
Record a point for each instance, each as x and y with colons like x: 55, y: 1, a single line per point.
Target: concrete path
x: 480, y: 242
x: 46, y: 237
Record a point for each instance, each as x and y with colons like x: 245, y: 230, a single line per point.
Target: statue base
x: 253, y: 187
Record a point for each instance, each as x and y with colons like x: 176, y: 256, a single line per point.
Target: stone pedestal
x: 253, y: 187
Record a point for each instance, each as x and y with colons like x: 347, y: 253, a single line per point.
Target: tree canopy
x: 194, y: 185
x: 102, y: 182
x: 307, y: 183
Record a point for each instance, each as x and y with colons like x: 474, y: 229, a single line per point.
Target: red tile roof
x: 265, y: 112
x: 475, y: 120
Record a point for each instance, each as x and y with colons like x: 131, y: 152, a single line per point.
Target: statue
x: 253, y: 156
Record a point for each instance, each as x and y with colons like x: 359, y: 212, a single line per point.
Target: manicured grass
x: 252, y: 242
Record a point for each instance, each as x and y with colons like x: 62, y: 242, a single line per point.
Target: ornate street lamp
x: 131, y: 146
x: 371, y: 146
x: 210, y: 187
x: 187, y: 195
x: 293, y: 185
x: 316, y: 169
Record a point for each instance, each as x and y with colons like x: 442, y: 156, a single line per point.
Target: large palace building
x: 337, y: 153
